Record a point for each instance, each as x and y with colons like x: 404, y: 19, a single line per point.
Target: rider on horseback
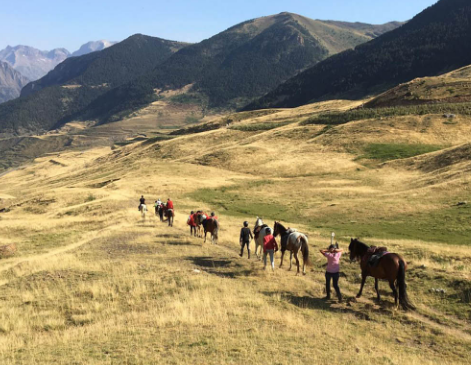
x: 142, y: 201
x: 169, y: 204
x: 213, y: 216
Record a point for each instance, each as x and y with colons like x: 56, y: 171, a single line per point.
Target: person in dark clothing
x: 245, y: 238
x: 142, y: 201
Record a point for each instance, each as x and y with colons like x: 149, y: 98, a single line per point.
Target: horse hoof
x: 304, y: 273
x: 358, y: 296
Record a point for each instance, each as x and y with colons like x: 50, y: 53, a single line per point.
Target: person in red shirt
x: 213, y: 216
x: 192, y: 223
x: 270, y: 246
x: 169, y: 204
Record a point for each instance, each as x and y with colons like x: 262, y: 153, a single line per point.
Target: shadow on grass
x: 360, y: 310
x: 223, y: 268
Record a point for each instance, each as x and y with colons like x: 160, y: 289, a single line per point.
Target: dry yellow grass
x: 93, y: 284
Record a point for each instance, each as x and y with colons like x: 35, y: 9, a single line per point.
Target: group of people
x: 270, y: 246
x: 159, y: 206
x: 193, y: 220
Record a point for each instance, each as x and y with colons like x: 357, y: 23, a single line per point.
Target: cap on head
x: 246, y: 224
x: 192, y: 212
x: 212, y: 214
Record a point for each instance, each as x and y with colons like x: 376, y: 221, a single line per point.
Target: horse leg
x: 205, y: 236
x: 377, y: 290
x: 282, y: 255
x: 394, y: 290
x: 297, y: 262
x: 363, y: 279
x: 290, y: 260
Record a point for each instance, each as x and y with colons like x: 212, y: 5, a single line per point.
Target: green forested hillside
x: 434, y: 42
x: 240, y: 64
x: 73, y: 84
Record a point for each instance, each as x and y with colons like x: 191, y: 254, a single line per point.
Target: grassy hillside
x: 75, y: 83
x: 430, y: 44
x: 89, y: 274
x: 453, y: 87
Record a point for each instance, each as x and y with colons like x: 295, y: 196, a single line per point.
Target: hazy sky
x: 48, y: 24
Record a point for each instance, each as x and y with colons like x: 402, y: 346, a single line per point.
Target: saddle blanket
x: 374, y: 259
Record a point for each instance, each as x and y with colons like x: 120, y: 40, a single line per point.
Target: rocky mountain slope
x: 11, y: 82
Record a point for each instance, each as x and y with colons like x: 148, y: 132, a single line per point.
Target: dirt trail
x: 88, y: 237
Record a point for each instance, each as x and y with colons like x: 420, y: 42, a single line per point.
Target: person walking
x: 333, y: 255
x: 192, y: 223
x: 245, y: 238
x: 270, y: 246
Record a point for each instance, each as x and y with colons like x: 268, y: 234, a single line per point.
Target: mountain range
x: 432, y: 43
x: 240, y: 64
x: 291, y: 59
x: 227, y: 70
x: 77, y: 81
x: 32, y: 64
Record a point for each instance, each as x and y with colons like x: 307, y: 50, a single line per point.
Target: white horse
x: 293, y: 241
x: 143, y: 210
x: 260, y: 231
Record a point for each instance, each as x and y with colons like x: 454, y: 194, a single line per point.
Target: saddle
x: 285, y: 238
x: 374, y: 255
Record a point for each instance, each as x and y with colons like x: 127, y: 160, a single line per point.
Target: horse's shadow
x: 223, y: 268
x: 362, y: 311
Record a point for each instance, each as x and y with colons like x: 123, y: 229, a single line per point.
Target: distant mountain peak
x: 93, y: 46
x: 32, y: 62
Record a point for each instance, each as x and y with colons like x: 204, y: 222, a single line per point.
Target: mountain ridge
x: 430, y: 44
x: 236, y: 65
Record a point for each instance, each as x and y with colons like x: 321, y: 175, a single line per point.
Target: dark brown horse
x: 211, y: 225
x: 390, y: 267
x: 170, y: 215
x: 293, y: 241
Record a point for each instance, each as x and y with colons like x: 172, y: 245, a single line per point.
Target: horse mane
x: 363, y: 245
x: 282, y: 226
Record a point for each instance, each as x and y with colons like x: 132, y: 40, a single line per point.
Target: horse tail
x: 401, y: 282
x: 305, y: 250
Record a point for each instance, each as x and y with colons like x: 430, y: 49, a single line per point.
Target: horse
x: 293, y: 241
x: 259, y: 232
x: 170, y: 215
x: 200, y: 218
x: 390, y: 267
x: 211, y: 225
x: 143, y: 210
x: 160, y: 210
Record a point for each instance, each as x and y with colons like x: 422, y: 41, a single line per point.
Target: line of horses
x: 390, y: 266
x: 161, y: 211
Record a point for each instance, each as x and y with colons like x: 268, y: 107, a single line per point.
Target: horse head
x: 276, y: 229
x: 357, y: 249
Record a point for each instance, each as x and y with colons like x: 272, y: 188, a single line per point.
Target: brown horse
x: 170, y: 215
x: 211, y: 225
x: 390, y: 267
x: 293, y: 241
